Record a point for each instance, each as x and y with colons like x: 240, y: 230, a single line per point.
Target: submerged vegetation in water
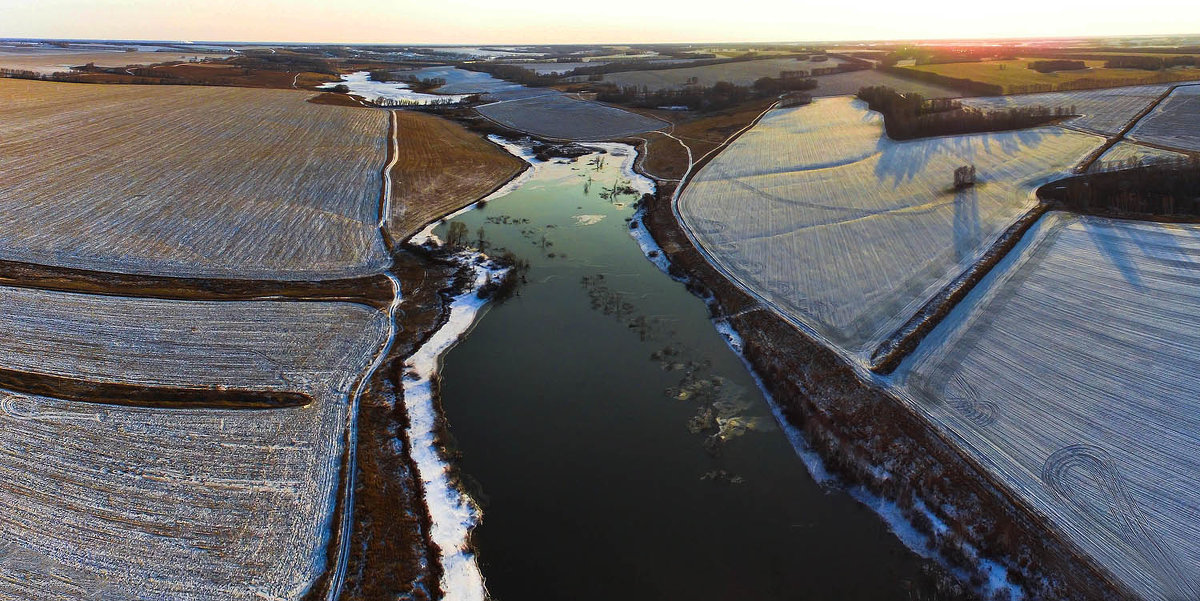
x: 721, y: 406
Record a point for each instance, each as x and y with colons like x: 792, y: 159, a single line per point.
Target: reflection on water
x: 619, y: 449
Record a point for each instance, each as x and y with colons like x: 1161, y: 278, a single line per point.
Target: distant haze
x: 573, y: 21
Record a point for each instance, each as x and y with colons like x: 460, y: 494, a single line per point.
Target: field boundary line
x: 366, y: 290
x: 344, y: 521
x: 83, y: 390
x: 1095, y: 155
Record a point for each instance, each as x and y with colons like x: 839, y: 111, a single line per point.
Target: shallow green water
x: 584, y: 410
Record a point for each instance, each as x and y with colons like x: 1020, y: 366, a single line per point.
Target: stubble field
x: 189, y: 181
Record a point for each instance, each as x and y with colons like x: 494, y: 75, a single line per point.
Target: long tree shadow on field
x: 1108, y: 242
x: 1116, y: 244
x: 901, y: 161
x: 966, y: 223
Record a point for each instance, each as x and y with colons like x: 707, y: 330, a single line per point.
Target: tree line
x: 718, y: 96
x: 909, y: 116
x: 1170, y: 188
x: 1150, y: 63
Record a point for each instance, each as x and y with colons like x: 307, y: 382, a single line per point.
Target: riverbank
x: 867, y: 438
x: 402, y: 538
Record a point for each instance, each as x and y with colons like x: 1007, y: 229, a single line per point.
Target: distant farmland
x: 174, y: 503
x: 1071, y: 372
x: 1175, y: 122
x: 1102, y: 111
x: 849, y: 83
x: 1015, y: 76
x: 559, y: 116
x: 189, y: 181
x: 848, y: 232
x: 743, y: 73
x: 54, y: 62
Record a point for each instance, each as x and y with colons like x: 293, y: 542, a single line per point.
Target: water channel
x: 618, y: 447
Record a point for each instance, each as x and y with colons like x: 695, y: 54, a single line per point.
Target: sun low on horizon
x: 549, y: 22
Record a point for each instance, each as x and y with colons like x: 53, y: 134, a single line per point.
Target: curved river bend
x: 618, y: 447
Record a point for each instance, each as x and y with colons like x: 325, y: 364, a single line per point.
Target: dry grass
x: 189, y: 181
x: 666, y: 159
x: 442, y: 167
x: 335, y: 99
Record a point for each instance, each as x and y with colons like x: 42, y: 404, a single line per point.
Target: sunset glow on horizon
x: 614, y: 21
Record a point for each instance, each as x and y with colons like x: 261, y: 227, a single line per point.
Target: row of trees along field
x: 90, y: 74
x: 1150, y: 63
x: 1164, y: 189
x: 720, y: 95
x: 909, y: 116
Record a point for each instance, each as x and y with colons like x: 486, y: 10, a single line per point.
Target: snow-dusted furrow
x: 1070, y: 371
x: 849, y: 233
x: 1103, y: 111
x: 147, y: 503
x: 1174, y: 123
x: 189, y: 181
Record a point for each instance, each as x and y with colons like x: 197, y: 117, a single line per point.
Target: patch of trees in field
x: 1164, y: 189
x: 909, y: 116
x: 1050, y: 66
x: 1150, y: 63
x: 718, y: 96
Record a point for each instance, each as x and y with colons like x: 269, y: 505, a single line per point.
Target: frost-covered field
x: 849, y: 232
x: 106, y: 502
x: 189, y: 180
x: 1070, y: 371
x: 1175, y: 122
x: 742, y: 73
x: 250, y: 344
x: 559, y: 116
x: 1123, y: 152
x: 1102, y: 111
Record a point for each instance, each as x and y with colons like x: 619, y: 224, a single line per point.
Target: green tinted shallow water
x: 588, y: 409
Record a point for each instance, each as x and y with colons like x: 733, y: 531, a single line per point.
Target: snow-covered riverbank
x: 379, y: 92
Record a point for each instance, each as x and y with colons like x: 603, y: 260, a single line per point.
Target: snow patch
x: 453, y: 514
x: 588, y: 219
x: 361, y: 84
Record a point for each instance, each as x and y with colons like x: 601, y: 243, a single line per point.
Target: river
x: 618, y: 447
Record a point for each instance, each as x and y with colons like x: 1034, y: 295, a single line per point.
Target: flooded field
x: 618, y: 448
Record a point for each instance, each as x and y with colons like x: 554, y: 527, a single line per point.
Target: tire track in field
x: 1093, y: 464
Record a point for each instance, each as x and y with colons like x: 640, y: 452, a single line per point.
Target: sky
x: 575, y: 21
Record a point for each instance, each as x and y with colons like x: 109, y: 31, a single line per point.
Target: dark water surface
x: 620, y: 449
